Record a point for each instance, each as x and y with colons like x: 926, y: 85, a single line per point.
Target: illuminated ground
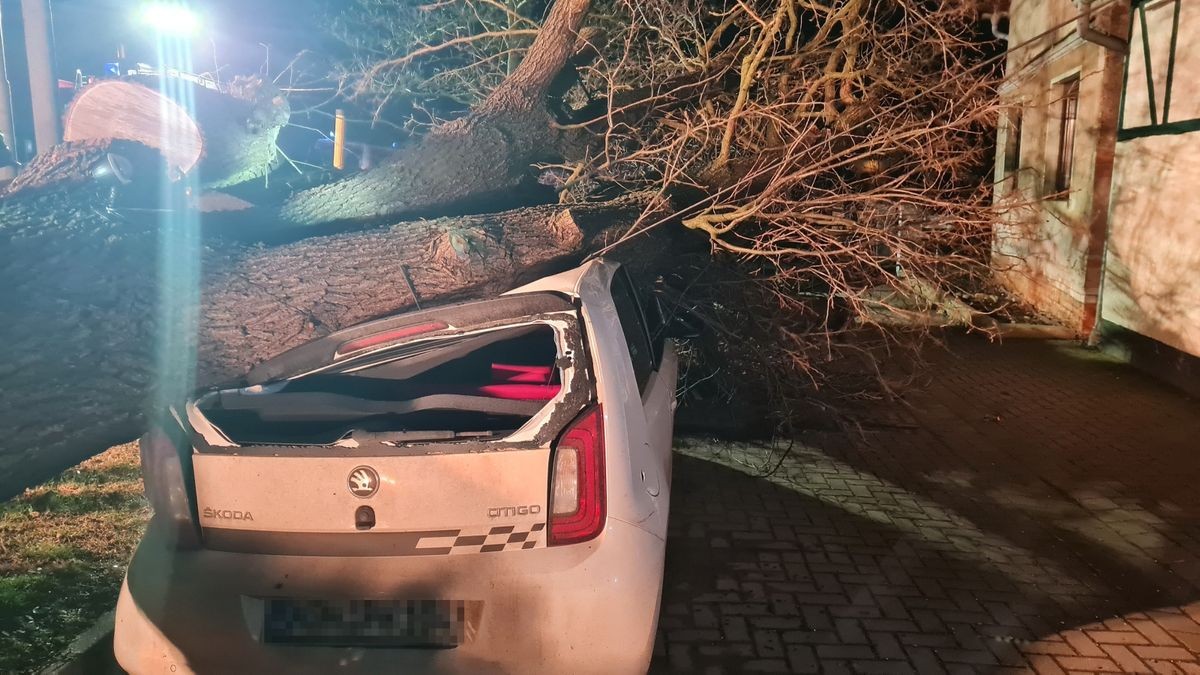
x: 1035, y: 509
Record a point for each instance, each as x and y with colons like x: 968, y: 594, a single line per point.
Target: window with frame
x: 633, y: 325
x: 1069, y: 112
x: 1012, y: 143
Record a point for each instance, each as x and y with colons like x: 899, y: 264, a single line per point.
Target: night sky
x: 88, y: 32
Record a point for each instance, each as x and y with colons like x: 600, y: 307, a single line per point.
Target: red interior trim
x: 513, y: 374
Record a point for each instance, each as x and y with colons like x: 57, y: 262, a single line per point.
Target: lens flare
x: 170, y: 18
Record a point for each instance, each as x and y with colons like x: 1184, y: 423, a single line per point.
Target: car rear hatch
x: 428, y: 433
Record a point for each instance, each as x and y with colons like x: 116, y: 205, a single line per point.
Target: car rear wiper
x: 421, y: 435
x: 327, y: 407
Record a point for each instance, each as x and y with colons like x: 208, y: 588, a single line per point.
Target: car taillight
x: 577, y: 490
x: 167, y: 487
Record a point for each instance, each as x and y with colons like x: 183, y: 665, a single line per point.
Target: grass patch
x: 47, y: 553
x: 19, y: 589
x: 64, y: 547
x: 73, y: 499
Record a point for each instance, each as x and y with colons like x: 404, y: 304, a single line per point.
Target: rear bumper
x: 586, y: 608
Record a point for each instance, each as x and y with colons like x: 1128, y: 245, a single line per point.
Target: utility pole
x: 6, y: 119
x: 43, y: 85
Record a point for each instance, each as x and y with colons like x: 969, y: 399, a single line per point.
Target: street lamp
x: 170, y: 18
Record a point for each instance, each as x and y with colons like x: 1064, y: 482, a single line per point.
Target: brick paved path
x: 1035, y: 509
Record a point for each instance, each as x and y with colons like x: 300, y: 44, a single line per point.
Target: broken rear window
x: 473, y: 385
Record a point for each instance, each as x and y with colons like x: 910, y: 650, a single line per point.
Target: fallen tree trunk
x: 90, y: 333
x: 109, y: 312
x: 258, y: 301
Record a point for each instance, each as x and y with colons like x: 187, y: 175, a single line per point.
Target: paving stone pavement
x: 1033, y: 509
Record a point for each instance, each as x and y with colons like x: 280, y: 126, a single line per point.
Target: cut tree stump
x: 228, y: 136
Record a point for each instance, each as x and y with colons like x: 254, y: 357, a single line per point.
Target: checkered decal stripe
x: 491, y: 540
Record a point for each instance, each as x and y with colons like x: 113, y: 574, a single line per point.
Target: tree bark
x: 259, y: 302
x: 90, y: 334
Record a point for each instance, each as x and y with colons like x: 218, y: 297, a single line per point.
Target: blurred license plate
x: 368, y: 623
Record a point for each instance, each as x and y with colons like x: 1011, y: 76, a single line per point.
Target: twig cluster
x: 839, y: 151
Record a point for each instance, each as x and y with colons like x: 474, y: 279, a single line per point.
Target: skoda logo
x: 364, y: 482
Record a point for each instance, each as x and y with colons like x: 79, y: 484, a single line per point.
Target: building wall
x: 1152, y: 283
x: 1145, y: 241
x: 1041, y: 249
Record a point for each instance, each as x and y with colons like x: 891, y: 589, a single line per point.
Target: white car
x: 480, y: 487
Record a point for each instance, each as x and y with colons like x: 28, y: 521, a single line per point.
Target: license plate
x: 369, y: 623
